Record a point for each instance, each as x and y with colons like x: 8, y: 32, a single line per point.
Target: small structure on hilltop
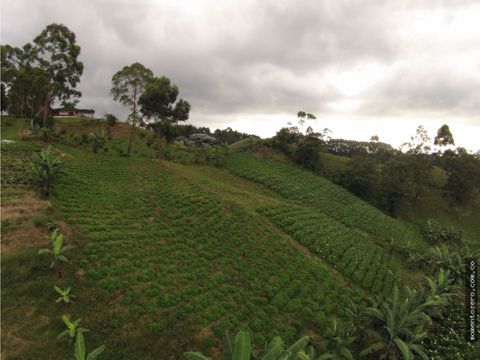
x: 201, y: 140
x: 62, y: 112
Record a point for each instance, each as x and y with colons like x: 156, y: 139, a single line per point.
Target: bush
x: 97, y: 140
x: 307, y: 153
x: 46, y: 170
x: 434, y: 233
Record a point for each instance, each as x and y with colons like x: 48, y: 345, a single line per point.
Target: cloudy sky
x: 362, y: 67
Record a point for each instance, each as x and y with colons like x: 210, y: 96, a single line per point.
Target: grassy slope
x: 169, y: 265
x: 11, y: 127
x: 294, y: 183
x: 167, y: 256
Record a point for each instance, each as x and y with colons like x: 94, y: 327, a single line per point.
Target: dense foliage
x: 39, y: 73
x: 298, y: 184
x: 352, y: 148
x: 349, y: 252
x: 241, y: 349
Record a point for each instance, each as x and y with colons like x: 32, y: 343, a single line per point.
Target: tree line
x: 40, y: 73
x: 383, y: 175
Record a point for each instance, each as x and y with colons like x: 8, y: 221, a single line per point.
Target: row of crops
x: 174, y: 257
x: 297, y: 184
x: 16, y: 161
x: 349, y: 252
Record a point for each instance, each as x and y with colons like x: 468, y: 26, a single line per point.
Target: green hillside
x: 298, y: 184
x: 168, y: 264
x: 167, y: 257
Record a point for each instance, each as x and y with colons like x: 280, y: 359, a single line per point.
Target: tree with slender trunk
x: 56, y: 52
x: 111, y: 121
x: 127, y: 86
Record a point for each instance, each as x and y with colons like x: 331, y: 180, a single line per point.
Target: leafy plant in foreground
x: 397, y: 327
x: 442, y: 257
x: 80, y: 351
x: 439, y: 291
x: 242, y: 349
x: 57, y: 250
x: 65, y: 295
x: 46, y: 169
x: 73, y: 328
x: 339, y: 339
x: 434, y: 232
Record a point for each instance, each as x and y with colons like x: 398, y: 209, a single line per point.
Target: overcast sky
x: 362, y: 67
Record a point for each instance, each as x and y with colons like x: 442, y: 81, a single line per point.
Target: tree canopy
x: 159, y: 101
x: 444, y: 136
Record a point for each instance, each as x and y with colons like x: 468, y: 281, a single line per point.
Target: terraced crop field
x: 297, y: 184
x: 16, y: 157
x: 178, y: 266
x: 351, y: 253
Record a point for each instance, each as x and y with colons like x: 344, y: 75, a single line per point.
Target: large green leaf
x: 93, y: 355
x: 227, y: 346
x: 45, y: 251
x: 195, y: 356
x: 80, y: 347
x: 243, y: 347
x: 373, y: 348
x: 57, y: 240
x: 419, y: 350
x: 273, y: 353
x: 67, y: 322
x: 298, y: 346
x: 63, y: 258
x: 407, y: 354
x: 346, y: 353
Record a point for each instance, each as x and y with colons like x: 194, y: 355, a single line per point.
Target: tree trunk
x: 46, y: 190
x: 46, y: 103
x: 131, y: 135
x: 134, y: 120
x: 46, y: 106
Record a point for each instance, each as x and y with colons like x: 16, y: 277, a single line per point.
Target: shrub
x: 241, y: 349
x: 57, y: 250
x: 434, y: 233
x: 65, y: 295
x: 307, y: 153
x: 73, y: 328
x: 46, y: 169
x: 97, y: 140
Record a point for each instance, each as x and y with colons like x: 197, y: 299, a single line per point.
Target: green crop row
x: 172, y: 255
x: 16, y: 162
x: 295, y: 183
x: 349, y: 252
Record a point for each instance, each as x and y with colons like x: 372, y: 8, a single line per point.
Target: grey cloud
x: 246, y: 57
x: 428, y: 90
